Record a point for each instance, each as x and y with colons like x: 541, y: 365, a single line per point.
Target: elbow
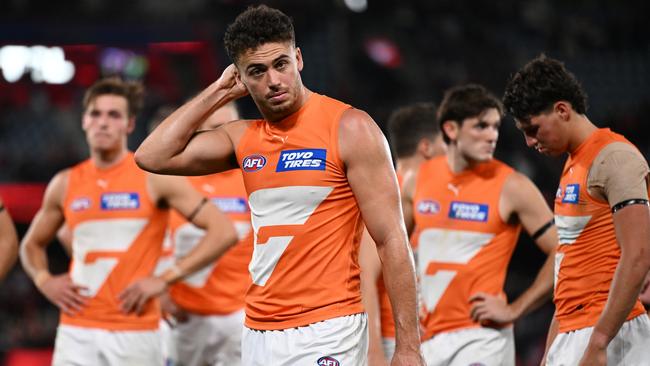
x: 230, y: 236
x: 25, y: 248
x: 144, y: 161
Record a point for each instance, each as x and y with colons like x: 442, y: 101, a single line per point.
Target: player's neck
x: 411, y: 163
x: 457, y: 161
x: 104, y: 159
x: 580, y: 130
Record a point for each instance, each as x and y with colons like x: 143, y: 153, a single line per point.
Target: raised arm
x: 219, y: 235
x: 8, y: 242
x: 522, y: 201
x: 370, y: 172
x: 174, y: 147
x: 59, y: 289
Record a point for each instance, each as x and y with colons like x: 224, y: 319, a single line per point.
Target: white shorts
x: 388, y: 344
x: 473, y: 346
x: 92, y: 346
x: 341, y: 341
x: 206, y: 340
x: 631, y: 346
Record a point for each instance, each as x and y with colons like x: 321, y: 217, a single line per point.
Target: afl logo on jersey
x: 327, y: 361
x: 253, y: 163
x: 80, y: 204
x: 428, y: 207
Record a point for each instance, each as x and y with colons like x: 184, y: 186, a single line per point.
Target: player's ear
x: 299, y: 59
x: 425, y: 148
x: 131, y: 126
x: 563, y: 109
x: 450, y: 128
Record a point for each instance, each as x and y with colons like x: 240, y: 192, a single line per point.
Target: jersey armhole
x: 507, y: 176
x: 334, y: 138
x: 238, y: 149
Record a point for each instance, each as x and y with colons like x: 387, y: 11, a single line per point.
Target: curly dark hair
x: 256, y: 26
x: 465, y: 101
x: 409, y: 124
x: 538, y: 85
x: 132, y: 91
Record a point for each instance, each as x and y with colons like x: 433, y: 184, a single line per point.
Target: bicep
x: 206, y: 152
x: 632, y: 227
x: 621, y: 173
x: 370, y: 174
x: 49, y: 217
x: 531, y: 209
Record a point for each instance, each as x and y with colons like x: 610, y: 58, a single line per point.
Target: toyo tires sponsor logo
x: 468, y: 211
x: 304, y: 159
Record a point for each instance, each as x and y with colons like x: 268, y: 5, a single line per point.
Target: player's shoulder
x: 619, y: 152
x: 62, y: 176
x: 58, y: 186
x: 501, y: 166
x: 517, y: 187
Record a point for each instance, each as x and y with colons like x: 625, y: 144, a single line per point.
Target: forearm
x: 171, y: 137
x: 538, y: 293
x: 623, y: 294
x: 205, y: 252
x: 371, y: 303
x: 550, y: 337
x: 399, y: 278
x: 34, y: 261
x: 370, y: 272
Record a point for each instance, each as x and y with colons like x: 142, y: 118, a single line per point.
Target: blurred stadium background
x: 375, y: 55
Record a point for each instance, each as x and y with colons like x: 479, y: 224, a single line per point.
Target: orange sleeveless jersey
x: 588, y: 252
x: 463, y: 244
x: 305, y: 218
x: 117, y: 239
x: 220, y: 287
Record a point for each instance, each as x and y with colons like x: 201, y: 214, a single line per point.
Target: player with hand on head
x: 466, y: 210
x: 315, y: 170
x: 602, y: 216
x: 208, y: 306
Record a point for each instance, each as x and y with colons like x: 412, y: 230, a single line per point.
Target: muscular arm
x: 632, y: 225
x: 58, y: 289
x: 619, y: 174
x: 370, y: 173
x: 8, y: 242
x: 521, y: 199
x: 370, y: 272
x: 43, y: 228
x: 174, y: 147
